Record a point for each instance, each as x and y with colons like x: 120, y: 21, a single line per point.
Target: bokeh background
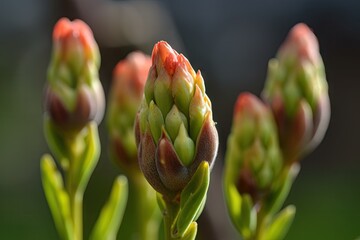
x: 231, y: 41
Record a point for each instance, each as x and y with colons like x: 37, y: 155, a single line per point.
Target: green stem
x: 148, y: 218
x: 76, y: 205
x: 263, y: 217
x: 75, y: 146
x: 141, y: 218
x: 261, y: 223
x: 169, y: 214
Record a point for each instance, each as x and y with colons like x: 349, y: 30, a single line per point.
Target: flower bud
x: 253, y: 159
x: 126, y: 93
x: 297, y: 92
x: 74, y: 95
x: 174, y: 126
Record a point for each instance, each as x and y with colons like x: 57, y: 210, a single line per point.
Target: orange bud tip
x: 65, y: 29
x: 247, y: 101
x: 165, y: 55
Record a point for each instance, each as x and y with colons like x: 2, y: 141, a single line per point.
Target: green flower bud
x: 162, y: 93
x: 253, y: 159
x: 173, y: 121
x: 174, y: 127
x: 74, y: 95
x: 184, y: 146
x: 156, y: 121
x: 197, y: 109
x: 297, y: 92
x: 126, y: 93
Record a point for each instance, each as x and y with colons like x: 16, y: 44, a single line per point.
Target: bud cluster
x: 74, y: 95
x: 297, y: 92
x: 253, y: 156
x: 268, y: 138
x: 174, y: 129
x: 126, y: 93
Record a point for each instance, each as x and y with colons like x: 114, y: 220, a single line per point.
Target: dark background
x: 231, y: 42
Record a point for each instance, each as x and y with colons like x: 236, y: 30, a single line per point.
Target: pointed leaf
x: 84, y: 167
x: 281, y: 190
x: 279, y: 227
x: 191, y: 232
x: 233, y: 202
x: 160, y: 202
x: 56, y: 197
x: 248, y: 217
x: 192, y: 198
x: 110, y: 218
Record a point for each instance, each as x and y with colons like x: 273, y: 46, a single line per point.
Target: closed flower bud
x: 253, y: 159
x: 126, y: 93
x: 174, y: 127
x: 74, y: 95
x: 297, y: 92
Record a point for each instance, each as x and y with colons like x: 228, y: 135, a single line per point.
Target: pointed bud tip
x: 61, y: 29
x: 130, y: 74
x: 303, y: 42
x: 248, y: 102
x: 164, y: 56
x: 65, y: 31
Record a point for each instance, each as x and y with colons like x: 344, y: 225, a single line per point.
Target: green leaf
x: 191, y: 232
x: 281, y: 190
x: 279, y: 227
x: 233, y: 202
x: 160, y: 202
x: 84, y: 167
x: 109, y: 220
x: 248, y: 218
x: 56, y: 197
x: 192, y: 198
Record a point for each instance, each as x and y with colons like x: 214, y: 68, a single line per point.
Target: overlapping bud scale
x: 175, y: 130
x: 297, y: 91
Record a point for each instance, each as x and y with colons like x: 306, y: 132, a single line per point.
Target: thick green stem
x: 141, y: 218
x: 261, y: 224
x: 75, y: 146
x: 76, y: 206
x: 170, y: 212
x: 263, y: 216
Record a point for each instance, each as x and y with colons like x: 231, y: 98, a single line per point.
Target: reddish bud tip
x: 302, y: 42
x: 66, y: 31
x: 164, y: 56
x: 131, y: 73
x: 247, y: 103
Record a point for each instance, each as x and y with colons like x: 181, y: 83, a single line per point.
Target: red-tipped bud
x: 125, y: 97
x: 297, y: 91
x: 74, y: 95
x: 177, y: 113
x: 253, y: 159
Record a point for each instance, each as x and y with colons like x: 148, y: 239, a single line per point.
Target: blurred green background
x: 231, y: 41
